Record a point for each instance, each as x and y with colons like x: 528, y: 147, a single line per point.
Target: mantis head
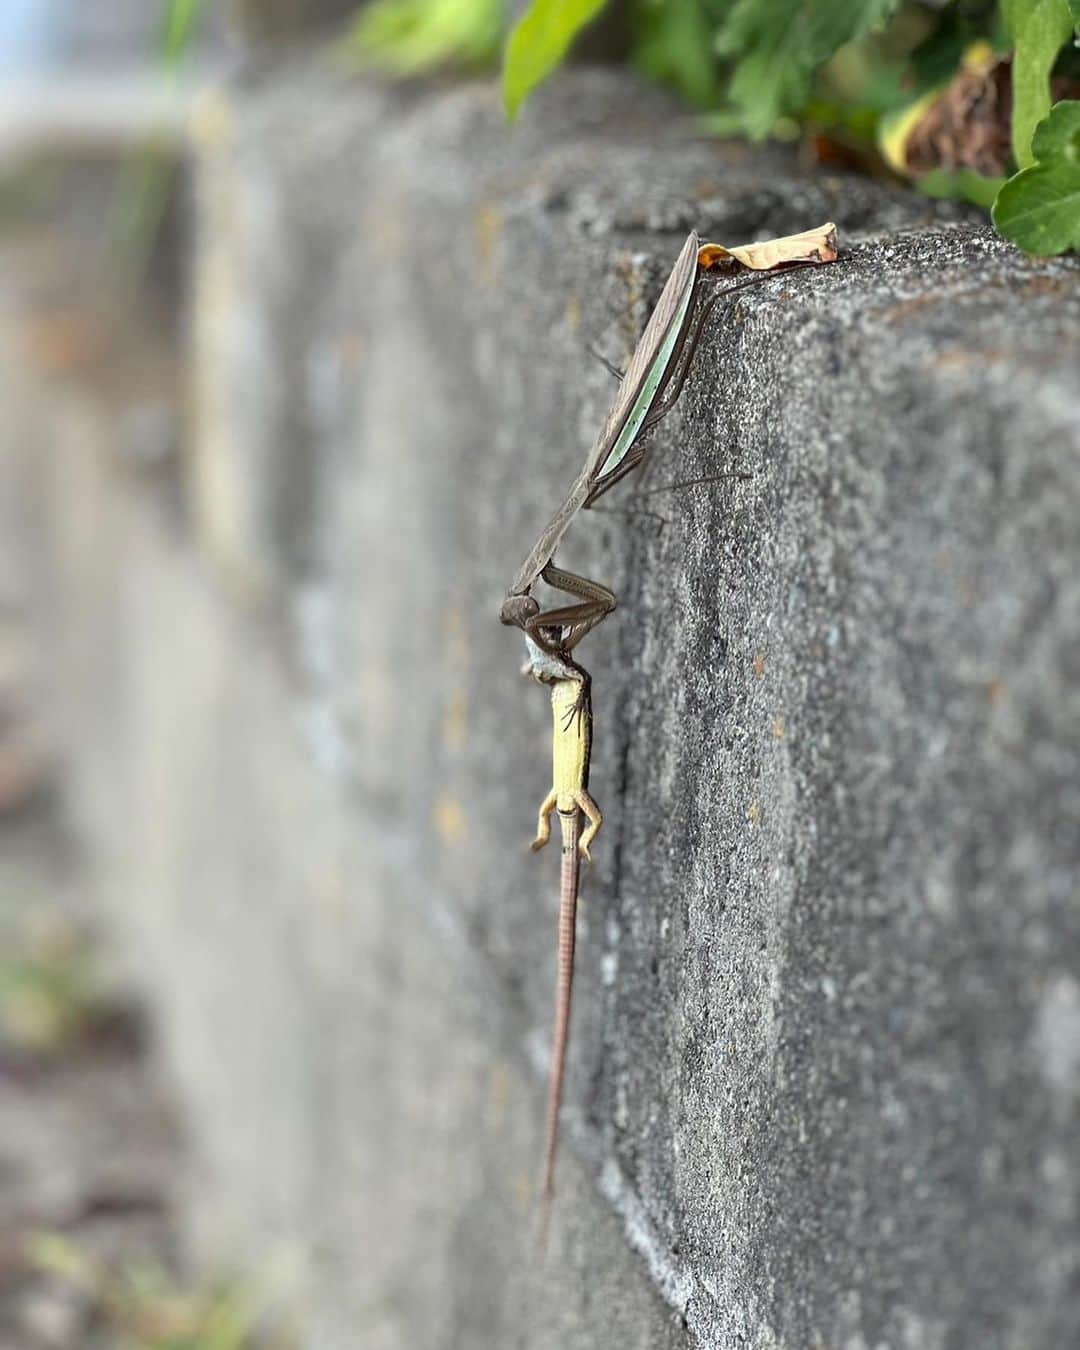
x: 517, y: 610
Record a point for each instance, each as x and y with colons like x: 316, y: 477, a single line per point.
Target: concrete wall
x: 826, y: 1057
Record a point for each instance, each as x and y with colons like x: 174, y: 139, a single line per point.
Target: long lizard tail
x: 568, y: 893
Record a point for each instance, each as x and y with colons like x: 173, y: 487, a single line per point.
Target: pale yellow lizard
x: 571, y: 711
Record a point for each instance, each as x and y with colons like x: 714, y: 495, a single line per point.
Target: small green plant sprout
x: 142, y: 1308
x: 182, y: 21
x: 50, y: 1000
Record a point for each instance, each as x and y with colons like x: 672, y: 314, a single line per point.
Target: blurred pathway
x: 88, y: 1147
x: 90, y: 1153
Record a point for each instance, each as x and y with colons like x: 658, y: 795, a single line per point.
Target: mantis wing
x: 645, y: 375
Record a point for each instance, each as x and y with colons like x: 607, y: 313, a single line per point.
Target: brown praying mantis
x: 649, y: 389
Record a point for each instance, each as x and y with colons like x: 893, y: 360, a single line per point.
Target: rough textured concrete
x: 825, y: 1069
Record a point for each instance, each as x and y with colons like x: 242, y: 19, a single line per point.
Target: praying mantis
x: 649, y: 389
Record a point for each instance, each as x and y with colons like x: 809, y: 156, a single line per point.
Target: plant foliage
x: 539, y: 42
x: 182, y: 20
x: 956, y: 95
x: 1039, y: 29
x: 1040, y: 207
x: 778, y: 45
x: 410, y: 36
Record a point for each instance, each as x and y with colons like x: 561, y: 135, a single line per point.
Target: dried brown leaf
x: 812, y: 246
x: 968, y: 126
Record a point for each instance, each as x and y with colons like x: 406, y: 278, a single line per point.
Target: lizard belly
x: 571, y: 744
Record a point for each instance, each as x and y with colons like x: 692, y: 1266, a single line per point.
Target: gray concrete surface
x: 256, y: 22
x: 825, y: 1069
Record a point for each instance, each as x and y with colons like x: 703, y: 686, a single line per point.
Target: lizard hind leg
x: 543, y: 823
x: 591, y: 812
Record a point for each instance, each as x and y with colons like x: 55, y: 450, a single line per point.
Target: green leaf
x: 410, y: 36
x: 1040, y: 28
x: 1039, y: 208
x: 674, y: 46
x: 1074, y: 10
x: 538, y: 43
x: 781, y: 43
x: 181, y: 26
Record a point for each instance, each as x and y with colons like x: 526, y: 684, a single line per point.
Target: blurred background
x: 93, y: 113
